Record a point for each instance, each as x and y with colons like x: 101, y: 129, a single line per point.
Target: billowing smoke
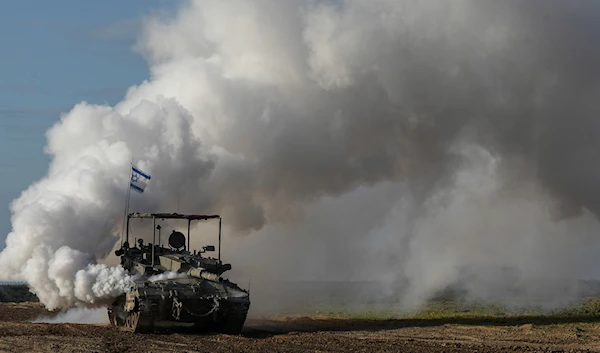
x: 418, y: 143
x: 166, y: 275
x: 78, y: 316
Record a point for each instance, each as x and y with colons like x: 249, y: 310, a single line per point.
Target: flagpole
x: 127, y: 201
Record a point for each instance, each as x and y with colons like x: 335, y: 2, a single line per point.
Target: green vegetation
x: 16, y: 294
x: 452, y: 312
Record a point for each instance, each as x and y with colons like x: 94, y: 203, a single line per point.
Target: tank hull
x: 219, y: 306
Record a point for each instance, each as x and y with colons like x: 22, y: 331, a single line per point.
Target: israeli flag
x: 139, y: 179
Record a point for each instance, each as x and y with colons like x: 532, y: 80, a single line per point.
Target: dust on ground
x: 302, y: 334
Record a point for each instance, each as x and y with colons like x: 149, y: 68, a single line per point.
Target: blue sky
x: 54, y: 54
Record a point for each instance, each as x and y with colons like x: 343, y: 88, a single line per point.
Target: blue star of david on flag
x: 139, y: 179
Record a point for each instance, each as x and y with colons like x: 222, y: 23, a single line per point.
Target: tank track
x: 139, y: 321
x: 234, y: 321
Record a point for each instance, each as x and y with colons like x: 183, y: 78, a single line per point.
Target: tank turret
x: 174, y: 285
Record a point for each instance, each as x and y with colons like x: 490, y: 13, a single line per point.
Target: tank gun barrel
x: 202, y: 273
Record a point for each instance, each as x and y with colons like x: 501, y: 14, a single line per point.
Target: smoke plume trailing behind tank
x: 407, y: 141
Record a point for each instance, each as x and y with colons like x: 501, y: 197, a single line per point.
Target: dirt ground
x: 537, y: 334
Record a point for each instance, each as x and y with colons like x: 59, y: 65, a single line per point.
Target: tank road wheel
x: 116, y: 314
x: 137, y: 322
x: 131, y: 321
x: 112, y: 317
x: 234, y: 321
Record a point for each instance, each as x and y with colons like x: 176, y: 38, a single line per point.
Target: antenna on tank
x: 159, y: 228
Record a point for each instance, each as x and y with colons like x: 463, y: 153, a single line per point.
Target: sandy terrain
x: 306, y: 334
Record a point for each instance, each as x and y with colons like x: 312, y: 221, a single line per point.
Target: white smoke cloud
x: 334, y: 134
x: 503, y: 243
x: 77, y: 316
x: 167, y: 275
x: 63, y: 224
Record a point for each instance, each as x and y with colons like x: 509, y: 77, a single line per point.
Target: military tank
x: 173, y: 285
